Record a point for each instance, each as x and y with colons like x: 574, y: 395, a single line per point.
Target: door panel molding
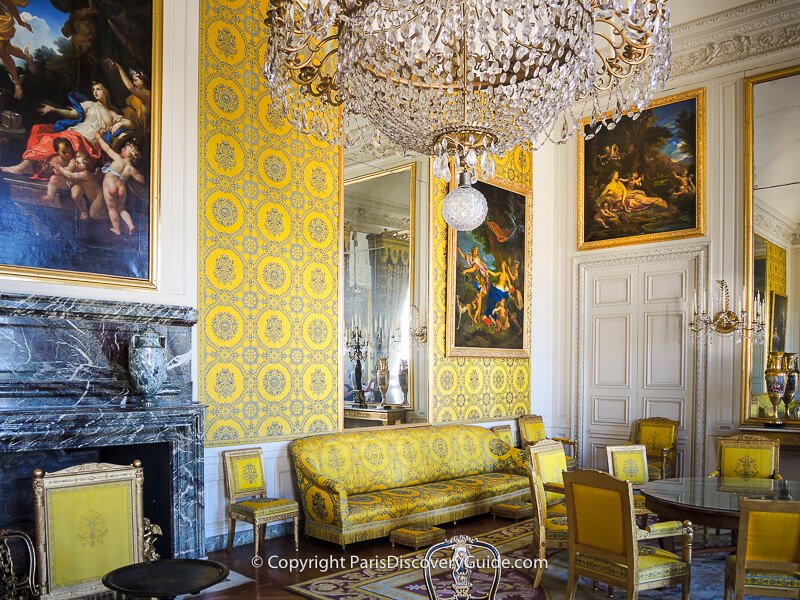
x: 583, y: 265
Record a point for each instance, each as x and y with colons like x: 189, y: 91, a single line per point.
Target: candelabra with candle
x: 726, y: 321
x: 357, y: 347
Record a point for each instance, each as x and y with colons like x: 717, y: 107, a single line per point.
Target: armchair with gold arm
x: 747, y: 457
x: 660, y: 436
x: 531, y: 430
x: 605, y: 544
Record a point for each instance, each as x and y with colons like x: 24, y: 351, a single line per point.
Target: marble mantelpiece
x: 65, y: 396
x: 75, y: 352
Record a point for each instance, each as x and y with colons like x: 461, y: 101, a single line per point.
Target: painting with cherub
x: 489, y: 277
x: 643, y: 178
x: 78, y: 140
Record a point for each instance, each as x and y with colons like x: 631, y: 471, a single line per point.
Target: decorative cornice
x: 766, y: 222
x: 735, y: 36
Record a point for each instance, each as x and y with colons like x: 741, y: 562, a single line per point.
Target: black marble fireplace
x: 65, y: 399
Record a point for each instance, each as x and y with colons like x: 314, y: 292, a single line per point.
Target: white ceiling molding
x: 770, y: 225
x: 735, y: 36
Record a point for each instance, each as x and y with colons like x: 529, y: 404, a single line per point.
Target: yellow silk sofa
x: 361, y: 485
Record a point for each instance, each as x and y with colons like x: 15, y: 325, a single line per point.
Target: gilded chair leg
x: 572, y: 586
x: 231, y: 531
x: 256, y: 535
x: 611, y: 591
x: 297, y: 534
x: 685, y: 588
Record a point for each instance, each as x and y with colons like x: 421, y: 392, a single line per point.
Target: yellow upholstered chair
x: 246, y: 496
x: 747, y: 457
x: 505, y: 433
x: 629, y: 463
x: 549, y: 462
x: 88, y: 522
x: 549, y: 527
x: 660, y: 436
x: 531, y: 430
x: 604, y: 542
x: 767, y: 559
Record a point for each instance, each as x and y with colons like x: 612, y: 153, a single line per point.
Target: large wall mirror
x: 384, y: 286
x: 772, y: 232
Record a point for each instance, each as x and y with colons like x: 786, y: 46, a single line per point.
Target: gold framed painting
x: 489, y: 277
x: 80, y: 138
x: 644, y: 180
x: 88, y: 522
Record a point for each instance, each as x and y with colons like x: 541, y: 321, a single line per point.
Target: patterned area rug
x: 384, y: 581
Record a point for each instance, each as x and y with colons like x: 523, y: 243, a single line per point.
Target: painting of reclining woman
x: 643, y: 180
x: 78, y: 146
x: 488, y: 277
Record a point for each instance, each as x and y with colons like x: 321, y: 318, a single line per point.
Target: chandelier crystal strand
x: 465, y: 79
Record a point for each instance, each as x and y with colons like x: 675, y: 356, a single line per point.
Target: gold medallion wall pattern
x: 473, y: 389
x: 268, y: 258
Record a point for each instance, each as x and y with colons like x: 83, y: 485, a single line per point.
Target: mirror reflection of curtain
x: 390, y: 260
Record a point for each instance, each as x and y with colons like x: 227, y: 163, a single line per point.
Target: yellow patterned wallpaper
x: 268, y: 260
x: 776, y: 269
x: 465, y: 389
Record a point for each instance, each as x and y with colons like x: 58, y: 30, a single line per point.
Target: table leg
x: 297, y: 533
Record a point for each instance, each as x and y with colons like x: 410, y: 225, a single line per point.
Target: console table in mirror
x: 772, y: 237
x: 381, y: 364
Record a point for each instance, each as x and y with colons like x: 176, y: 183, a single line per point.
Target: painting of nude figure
x: 489, y: 277
x: 644, y: 179
x: 79, y: 88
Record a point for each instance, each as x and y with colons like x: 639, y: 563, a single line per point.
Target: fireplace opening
x: 16, y: 474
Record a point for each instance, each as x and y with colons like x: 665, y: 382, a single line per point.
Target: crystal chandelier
x: 465, y: 80
x: 726, y: 321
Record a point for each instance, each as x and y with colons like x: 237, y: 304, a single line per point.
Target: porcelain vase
x: 147, y: 361
x: 403, y: 379
x: 776, y: 383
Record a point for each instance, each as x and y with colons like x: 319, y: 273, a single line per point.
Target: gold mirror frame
x: 749, y: 232
x: 411, y: 167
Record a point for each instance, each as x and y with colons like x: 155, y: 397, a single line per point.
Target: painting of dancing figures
x: 488, y: 277
x: 643, y: 179
x: 78, y: 141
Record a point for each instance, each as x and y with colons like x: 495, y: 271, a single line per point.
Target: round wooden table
x: 165, y: 578
x: 712, y: 501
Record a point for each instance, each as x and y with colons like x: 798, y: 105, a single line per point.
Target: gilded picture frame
x: 778, y: 309
x: 489, y: 277
x: 80, y: 160
x: 644, y: 180
x: 88, y: 522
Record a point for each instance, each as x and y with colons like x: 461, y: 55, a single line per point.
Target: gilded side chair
x: 531, y: 430
x: 549, y: 462
x: 505, y: 433
x: 629, y: 463
x: 605, y: 544
x: 660, y: 436
x: 767, y: 559
x: 549, y: 530
x: 246, y: 496
x: 747, y: 457
x: 464, y: 555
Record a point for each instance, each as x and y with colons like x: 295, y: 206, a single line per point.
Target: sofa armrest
x: 324, y: 499
x: 516, y: 463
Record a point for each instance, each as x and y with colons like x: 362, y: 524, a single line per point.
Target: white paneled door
x: 637, y: 359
